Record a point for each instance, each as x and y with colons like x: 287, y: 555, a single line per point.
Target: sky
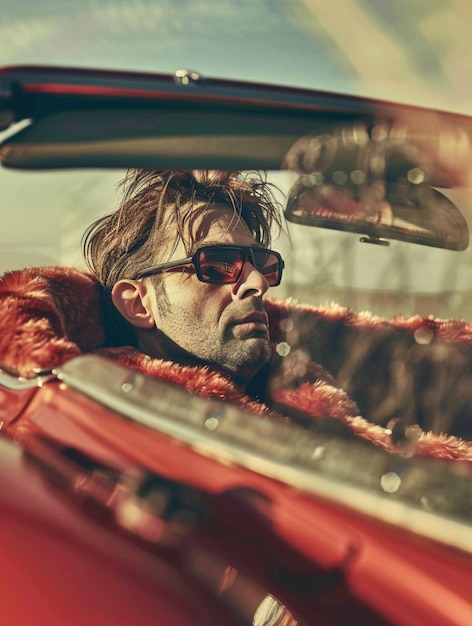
x: 414, y: 51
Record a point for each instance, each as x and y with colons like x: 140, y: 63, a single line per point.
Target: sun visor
x: 154, y: 139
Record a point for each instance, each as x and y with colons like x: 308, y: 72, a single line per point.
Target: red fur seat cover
x: 356, y: 368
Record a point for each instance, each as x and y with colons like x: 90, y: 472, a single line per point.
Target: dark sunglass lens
x: 268, y: 264
x: 220, y: 265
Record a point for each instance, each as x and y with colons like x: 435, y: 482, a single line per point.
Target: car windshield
x: 371, y: 321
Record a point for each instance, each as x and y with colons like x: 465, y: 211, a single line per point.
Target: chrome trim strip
x: 14, y: 382
x: 290, y: 454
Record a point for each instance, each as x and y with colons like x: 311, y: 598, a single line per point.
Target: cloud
x: 18, y: 36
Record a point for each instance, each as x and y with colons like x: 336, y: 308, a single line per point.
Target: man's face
x: 224, y: 326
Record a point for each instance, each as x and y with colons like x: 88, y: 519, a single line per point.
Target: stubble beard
x: 244, y: 358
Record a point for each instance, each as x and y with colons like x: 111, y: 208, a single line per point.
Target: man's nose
x: 250, y: 283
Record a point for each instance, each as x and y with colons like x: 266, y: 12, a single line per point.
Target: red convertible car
x: 136, y: 493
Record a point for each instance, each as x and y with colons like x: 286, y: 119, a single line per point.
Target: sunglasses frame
x: 247, y: 252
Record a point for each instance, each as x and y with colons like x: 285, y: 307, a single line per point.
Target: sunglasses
x: 222, y: 265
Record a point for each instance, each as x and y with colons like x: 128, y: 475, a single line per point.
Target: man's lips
x: 256, y: 321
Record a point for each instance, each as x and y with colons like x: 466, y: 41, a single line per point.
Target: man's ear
x: 132, y: 299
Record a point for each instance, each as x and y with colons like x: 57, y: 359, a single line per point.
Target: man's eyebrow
x: 207, y: 243
x: 202, y: 244
x: 216, y: 242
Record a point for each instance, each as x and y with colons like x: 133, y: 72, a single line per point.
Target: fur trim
x: 415, y: 368
x: 50, y: 315
x: 201, y: 381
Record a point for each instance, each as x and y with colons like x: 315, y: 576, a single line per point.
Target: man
x: 186, y: 262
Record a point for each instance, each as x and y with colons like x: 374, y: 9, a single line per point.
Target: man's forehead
x: 216, y: 221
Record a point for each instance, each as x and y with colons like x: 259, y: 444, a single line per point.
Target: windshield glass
x: 369, y: 327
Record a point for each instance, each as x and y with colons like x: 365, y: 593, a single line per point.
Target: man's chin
x: 243, y: 359
x: 257, y: 353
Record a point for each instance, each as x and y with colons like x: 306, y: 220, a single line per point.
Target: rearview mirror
x: 369, y: 180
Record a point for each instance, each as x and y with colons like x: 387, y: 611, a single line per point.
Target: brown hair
x: 159, y: 205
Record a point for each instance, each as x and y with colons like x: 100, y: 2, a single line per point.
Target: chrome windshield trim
x: 287, y: 453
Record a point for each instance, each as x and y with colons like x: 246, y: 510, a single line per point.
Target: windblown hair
x: 158, y: 208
